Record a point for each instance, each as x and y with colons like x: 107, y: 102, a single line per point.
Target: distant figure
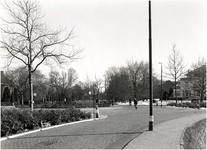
x: 130, y: 102
x: 112, y: 102
x: 135, y: 103
x: 97, y: 101
x: 97, y: 112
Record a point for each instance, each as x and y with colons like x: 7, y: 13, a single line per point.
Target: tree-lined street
x: 122, y: 124
x: 41, y: 71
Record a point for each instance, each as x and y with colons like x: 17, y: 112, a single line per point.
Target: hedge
x: 76, y: 104
x: 188, y: 104
x: 15, y: 120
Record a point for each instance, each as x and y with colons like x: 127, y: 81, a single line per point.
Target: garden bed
x: 66, y: 104
x: 16, y: 120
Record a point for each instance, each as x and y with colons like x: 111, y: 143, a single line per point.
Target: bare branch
x: 175, y: 66
x: 11, y: 50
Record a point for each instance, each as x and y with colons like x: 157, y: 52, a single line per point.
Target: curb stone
x: 47, y: 128
x: 181, y: 137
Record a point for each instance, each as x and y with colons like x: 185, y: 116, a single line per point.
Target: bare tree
x: 19, y: 79
x: 134, y: 71
x: 88, y: 84
x: 138, y: 73
x: 72, y: 76
x: 27, y: 39
x: 175, y: 67
x: 118, y: 84
x: 54, y: 81
x: 98, y: 83
x: 62, y: 83
x: 198, y: 76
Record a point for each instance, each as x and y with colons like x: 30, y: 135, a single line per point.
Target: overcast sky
x: 112, y: 32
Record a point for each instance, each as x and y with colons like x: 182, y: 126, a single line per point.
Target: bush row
x: 56, y: 104
x: 84, y: 104
x: 188, y: 104
x: 19, y: 120
x: 76, y: 104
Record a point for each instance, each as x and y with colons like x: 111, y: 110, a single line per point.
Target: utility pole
x: 151, y: 118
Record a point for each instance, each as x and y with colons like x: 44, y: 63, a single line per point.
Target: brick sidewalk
x: 166, y: 135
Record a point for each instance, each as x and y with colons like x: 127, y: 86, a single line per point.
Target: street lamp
x: 151, y: 118
x: 89, y: 93
x: 161, y: 83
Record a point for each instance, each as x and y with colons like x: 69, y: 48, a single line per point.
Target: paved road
x: 115, y: 131
x: 167, y: 135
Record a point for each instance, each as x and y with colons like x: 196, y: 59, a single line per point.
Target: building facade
x: 185, y: 88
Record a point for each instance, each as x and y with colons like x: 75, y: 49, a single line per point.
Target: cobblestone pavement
x: 166, y: 135
x: 115, y: 131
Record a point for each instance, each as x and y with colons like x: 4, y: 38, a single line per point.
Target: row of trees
x: 121, y: 83
x: 131, y: 81
x: 26, y: 38
x: 60, y: 86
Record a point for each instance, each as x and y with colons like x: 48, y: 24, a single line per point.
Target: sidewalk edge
x: 47, y: 128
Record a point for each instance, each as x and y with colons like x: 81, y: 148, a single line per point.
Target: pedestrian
x: 135, y: 103
x: 97, y: 112
x: 112, y: 102
x: 130, y: 102
x: 97, y: 101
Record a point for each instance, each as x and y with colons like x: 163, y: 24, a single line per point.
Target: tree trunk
x: 176, y: 92
x: 202, y: 95
x: 30, y: 88
x: 22, y: 95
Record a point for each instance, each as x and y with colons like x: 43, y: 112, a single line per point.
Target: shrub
x: 55, y: 104
x: 27, y: 119
x: 52, y: 116
x: 18, y: 120
x: 86, y: 103
x: 203, y: 104
x: 8, y: 121
x: 15, y: 120
x: 69, y: 104
x: 188, y: 104
x: 66, y: 115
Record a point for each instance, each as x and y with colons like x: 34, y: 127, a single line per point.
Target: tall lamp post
x: 161, y: 84
x: 151, y: 118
